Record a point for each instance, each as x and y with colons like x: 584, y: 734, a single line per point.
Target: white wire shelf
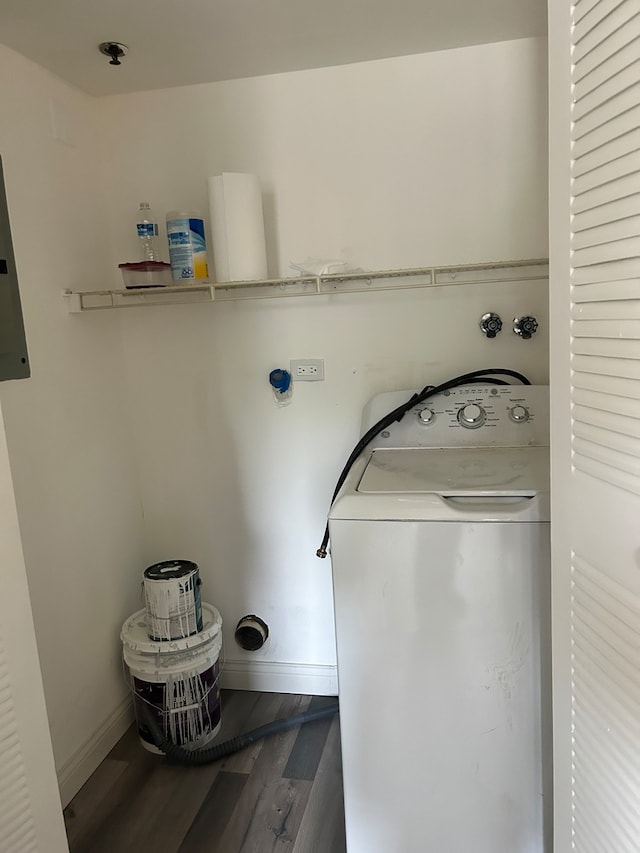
x: 95, y: 300
x: 353, y: 282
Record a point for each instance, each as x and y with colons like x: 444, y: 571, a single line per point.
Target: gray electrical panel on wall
x: 14, y: 359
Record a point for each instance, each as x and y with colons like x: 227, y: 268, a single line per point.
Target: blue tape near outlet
x: 280, y: 379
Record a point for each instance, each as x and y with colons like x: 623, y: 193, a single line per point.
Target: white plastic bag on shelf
x: 320, y: 266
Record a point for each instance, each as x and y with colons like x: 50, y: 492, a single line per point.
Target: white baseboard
x: 75, y: 772
x: 270, y: 677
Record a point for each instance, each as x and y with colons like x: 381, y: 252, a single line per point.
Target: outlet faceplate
x: 307, y: 369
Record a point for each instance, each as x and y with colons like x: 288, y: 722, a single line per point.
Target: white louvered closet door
x: 594, y: 61
x: 30, y: 812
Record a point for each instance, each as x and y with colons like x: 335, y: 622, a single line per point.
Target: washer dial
x: 426, y: 416
x: 519, y: 414
x: 471, y: 416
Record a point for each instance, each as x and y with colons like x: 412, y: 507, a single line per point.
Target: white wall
x: 437, y: 158
x: 67, y: 428
x: 429, y: 159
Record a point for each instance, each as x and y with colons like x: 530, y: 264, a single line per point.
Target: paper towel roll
x: 237, y: 227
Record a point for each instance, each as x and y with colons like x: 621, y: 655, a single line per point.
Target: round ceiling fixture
x: 114, y: 49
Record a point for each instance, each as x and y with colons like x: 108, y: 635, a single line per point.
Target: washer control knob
x: 519, y: 414
x: 471, y: 416
x: 426, y: 416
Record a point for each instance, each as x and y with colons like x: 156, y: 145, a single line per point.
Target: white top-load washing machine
x: 440, y: 554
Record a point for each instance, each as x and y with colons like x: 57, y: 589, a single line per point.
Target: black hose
x: 398, y: 413
x: 209, y: 754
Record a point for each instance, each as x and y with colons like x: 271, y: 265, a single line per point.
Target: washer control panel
x: 469, y: 416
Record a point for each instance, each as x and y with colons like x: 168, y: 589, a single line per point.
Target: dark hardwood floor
x: 283, y: 793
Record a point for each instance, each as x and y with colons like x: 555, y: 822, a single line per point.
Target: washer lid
x: 458, y: 472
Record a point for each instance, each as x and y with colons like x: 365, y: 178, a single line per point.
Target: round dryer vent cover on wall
x: 251, y: 633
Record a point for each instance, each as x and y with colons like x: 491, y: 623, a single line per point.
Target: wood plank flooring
x: 281, y: 795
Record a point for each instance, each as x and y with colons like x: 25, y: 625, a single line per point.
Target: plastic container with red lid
x: 146, y: 274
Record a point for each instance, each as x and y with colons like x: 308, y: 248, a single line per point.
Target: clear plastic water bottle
x: 147, y: 230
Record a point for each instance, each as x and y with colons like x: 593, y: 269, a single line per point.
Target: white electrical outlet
x: 307, y: 369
